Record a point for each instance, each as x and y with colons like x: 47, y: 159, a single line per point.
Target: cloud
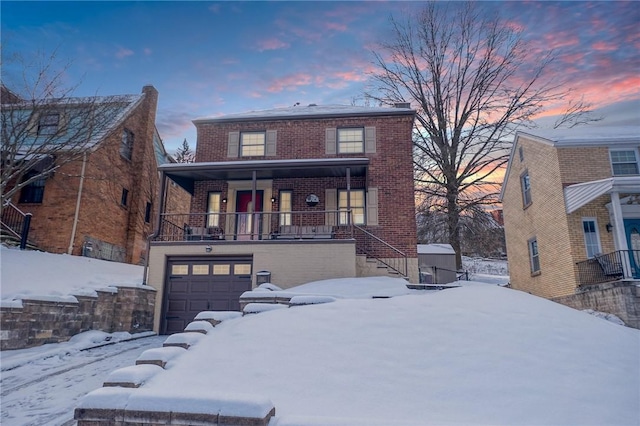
x: 123, y: 52
x: 289, y: 82
x: 603, y: 46
x: 147, y: 51
x: 272, y: 44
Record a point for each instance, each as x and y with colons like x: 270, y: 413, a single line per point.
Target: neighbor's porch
x: 623, y: 228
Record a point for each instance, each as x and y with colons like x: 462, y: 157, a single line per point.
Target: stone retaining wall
x: 38, y: 322
x: 621, y: 298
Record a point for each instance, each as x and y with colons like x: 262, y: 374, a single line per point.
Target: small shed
x: 437, y: 263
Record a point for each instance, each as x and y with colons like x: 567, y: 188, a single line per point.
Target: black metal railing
x: 609, y: 267
x: 290, y: 225
x: 378, y: 249
x: 16, y: 222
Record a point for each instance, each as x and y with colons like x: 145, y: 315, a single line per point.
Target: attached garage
x: 202, y: 283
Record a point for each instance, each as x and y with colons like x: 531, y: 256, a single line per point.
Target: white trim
x: 580, y: 194
x: 597, y: 232
x: 620, y: 149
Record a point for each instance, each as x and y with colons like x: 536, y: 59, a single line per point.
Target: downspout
x: 77, y: 213
x: 161, y: 209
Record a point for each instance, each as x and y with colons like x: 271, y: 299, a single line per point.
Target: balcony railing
x: 609, y: 267
x: 326, y: 224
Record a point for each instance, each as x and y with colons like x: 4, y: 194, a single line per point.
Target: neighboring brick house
x: 102, y: 204
x: 333, y: 193
x: 571, y: 201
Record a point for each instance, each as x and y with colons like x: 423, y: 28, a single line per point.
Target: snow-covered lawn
x: 478, y: 354
x: 47, y: 276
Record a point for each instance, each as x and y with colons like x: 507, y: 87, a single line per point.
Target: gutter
x: 77, y: 212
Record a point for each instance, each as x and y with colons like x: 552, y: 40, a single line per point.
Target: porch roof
x: 185, y: 174
x: 578, y: 195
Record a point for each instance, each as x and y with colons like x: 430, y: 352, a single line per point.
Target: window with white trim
x: 213, y: 209
x: 624, y: 162
x: 534, y: 256
x: 126, y: 145
x: 350, y: 140
x: 48, y: 124
x: 356, y: 202
x: 286, y: 207
x: 252, y: 144
x: 591, y: 236
x: 525, y: 183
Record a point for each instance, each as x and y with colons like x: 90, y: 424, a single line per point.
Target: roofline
x: 263, y: 164
x: 390, y: 112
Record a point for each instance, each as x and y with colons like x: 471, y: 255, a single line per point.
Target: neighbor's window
x: 147, y: 213
x: 213, y: 209
x: 525, y: 182
x: 350, y: 140
x: 252, y: 143
x: 357, y: 206
x: 624, y: 162
x: 591, y: 237
x: 33, y: 192
x: 48, y: 124
x: 534, y: 257
x: 124, y: 199
x: 286, y: 206
x: 126, y: 145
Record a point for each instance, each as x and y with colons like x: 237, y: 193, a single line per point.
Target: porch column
x: 254, y: 185
x: 349, y: 195
x: 619, y: 236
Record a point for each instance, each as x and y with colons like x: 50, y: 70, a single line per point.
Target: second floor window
x: 624, y: 162
x: 252, y: 144
x: 525, y: 182
x: 126, y: 145
x: 48, y: 124
x: 350, y: 140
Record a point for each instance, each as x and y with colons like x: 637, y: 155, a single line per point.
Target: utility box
x: 438, y: 261
x: 263, y: 277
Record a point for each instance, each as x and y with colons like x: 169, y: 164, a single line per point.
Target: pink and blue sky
x: 215, y: 58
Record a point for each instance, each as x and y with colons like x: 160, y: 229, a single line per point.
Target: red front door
x: 248, y: 219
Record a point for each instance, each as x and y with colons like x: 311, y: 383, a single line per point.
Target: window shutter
x: 234, y: 144
x: 32, y: 126
x: 270, y: 148
x: 330, y: 141
x: 331, y: 203
x: 370, y: 140
x: 372, y: 207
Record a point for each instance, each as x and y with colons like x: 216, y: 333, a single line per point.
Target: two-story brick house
x: 571, y: 201
x: 305, y: 193
x: 103, y: 203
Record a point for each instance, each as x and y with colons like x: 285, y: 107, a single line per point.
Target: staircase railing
x: 378, y: 249
x: 16, y: 222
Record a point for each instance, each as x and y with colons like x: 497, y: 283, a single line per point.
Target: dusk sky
x: 215, y: 58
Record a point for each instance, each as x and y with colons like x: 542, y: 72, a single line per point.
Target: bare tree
x: 43, y: 127
x: 473, y: 81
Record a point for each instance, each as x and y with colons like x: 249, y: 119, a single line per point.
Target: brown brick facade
x: 101, y: 215
x: 390, y: 169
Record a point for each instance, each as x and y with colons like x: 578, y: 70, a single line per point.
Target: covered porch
x: 321, y: 201
x: 623, y: 209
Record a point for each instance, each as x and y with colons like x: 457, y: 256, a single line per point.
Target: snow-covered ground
x: 478, y: 354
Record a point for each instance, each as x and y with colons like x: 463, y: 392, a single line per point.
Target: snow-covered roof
x: 586, y: 135
x: 309, y: 111
x: 435, y: 249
